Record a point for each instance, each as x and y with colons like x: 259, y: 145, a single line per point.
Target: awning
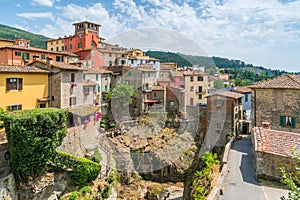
x: 83, y: 110
x: 42, y: 99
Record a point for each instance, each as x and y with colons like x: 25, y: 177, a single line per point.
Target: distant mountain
x: 11, y: 33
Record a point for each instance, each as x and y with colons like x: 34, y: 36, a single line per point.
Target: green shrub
x: 74, y: 196
x: 96, y: 156
x: 84, y: 170
x: 33, y: 136
x: 85, y: 190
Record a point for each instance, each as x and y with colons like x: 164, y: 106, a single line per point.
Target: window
x: 200, y: 78
x: 99, y: 89
x: 83, y: 76
x: 192, y: 89
x: 191, y: 78
x: 109, y: 55
x: 288, y: 121
x: 93, y: 45
x: 93, y: 63
x: 66, y: 47
x: 51, y: 48
x: 42, y: 105
x: 57, y: 58
x: 97, y: 77
x: 57, y: 48
x: 71, y: 46
x: 72, y: 77
x: 181, y: 79
x: 14, y: 84
x: 93, y: 53
x: 14, y: 107
x: 200, y: 96
x: 72, y: 101
x: 129, y: 73
x: 154, y: 94
x: 86, y: 91
x: 43, y: 57
x: 63, y: 48
x: 110, y: 63
x: 56, y: 42
x: 79, y: 45
x: 199, y: 88
x: 17, y: 53
x: 172, y: 103
x: 246, y: 97
x: 191, y: 101
x: 105, y: 87
x: 25, y: 56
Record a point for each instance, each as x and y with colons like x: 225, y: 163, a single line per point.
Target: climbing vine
x: 201, y: 184
x: 33, y: 136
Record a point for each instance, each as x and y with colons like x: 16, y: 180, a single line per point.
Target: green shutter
x: 282, y: 120
x: 97, y: 77
x: 293, y: 123
x: 99, y: 89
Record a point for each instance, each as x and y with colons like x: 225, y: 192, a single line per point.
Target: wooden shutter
x: 20, y: 82
x: 7, y: 84
x: 293, y: 122
x: 20, y: 107
x: 282, y: 120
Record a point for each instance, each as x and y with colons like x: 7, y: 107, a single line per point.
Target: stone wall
x: 268, y: 165
x: 269, y: 104
x: 5, y: 164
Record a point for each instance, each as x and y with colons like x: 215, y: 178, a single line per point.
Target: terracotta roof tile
x: 276, y: 142
x: 242, y: 89
x: 287, y: 81
x: 21, y: 69
x: 228, y: 94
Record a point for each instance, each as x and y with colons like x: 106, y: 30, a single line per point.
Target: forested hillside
x: 11, y: 33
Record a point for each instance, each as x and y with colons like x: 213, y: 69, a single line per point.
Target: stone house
x: 246, y: 100
x: 276, y: 101
x: 224, y: 111
x: 175, y: 99
x: 155, y: 99
x: 272, y: 151
x: 112, y: 54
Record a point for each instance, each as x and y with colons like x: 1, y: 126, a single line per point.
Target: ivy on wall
x: 33, y: 136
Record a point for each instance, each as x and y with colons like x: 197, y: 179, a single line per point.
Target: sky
x: 261, y: 32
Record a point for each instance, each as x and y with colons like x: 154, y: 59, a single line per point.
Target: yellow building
x: 5, y: 42
x: 57, y: 45
x: 23, y: 88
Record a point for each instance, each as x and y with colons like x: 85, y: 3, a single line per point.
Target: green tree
x: 218, y: 84
x: 291, y: 180
x: 123, y: 93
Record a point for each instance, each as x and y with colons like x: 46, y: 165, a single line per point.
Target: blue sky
x: 261, y: 32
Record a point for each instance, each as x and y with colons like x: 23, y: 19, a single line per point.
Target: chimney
x: 49, y: 62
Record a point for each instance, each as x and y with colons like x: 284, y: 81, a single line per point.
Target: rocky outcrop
x: 7, y: 188
x: 49, y: 186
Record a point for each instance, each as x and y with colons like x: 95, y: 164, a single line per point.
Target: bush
x: 83, y: 170
x: 96, y: 156
x: 74, y: 196
x: 33, y: 136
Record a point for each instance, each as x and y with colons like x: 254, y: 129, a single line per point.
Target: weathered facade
x: 224, y: 110
x: 272, y: 151
x: 277, y: 101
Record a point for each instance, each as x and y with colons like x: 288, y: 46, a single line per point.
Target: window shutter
x: 20, y: 80
x: 282, y: 120
x: 293, y: 123
x: 20, y: 107
x: 7, y: 85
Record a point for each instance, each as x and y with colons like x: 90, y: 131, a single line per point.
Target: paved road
x: 240, y: 182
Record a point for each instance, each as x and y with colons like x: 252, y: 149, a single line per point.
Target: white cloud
x: 18, y: 5
x: 48, y: 3
x: 250, y: 30
x: 34, y: 16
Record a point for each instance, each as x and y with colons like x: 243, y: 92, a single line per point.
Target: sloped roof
x: 98, y: 70
x: 228, y: 94
x: 21, y: 69
x: 287, y: 81
x: 59, y: 65
x: 276, y: 142
x: 242, y: 89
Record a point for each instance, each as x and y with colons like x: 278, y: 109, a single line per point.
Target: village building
x: 20, y: 53
x: 225, y: 110
x: 23, y: 87
x: 196, y: 88
x: 276, y: 101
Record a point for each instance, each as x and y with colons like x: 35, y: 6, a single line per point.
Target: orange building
x: 21, y: 53
x: 86, y: 37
